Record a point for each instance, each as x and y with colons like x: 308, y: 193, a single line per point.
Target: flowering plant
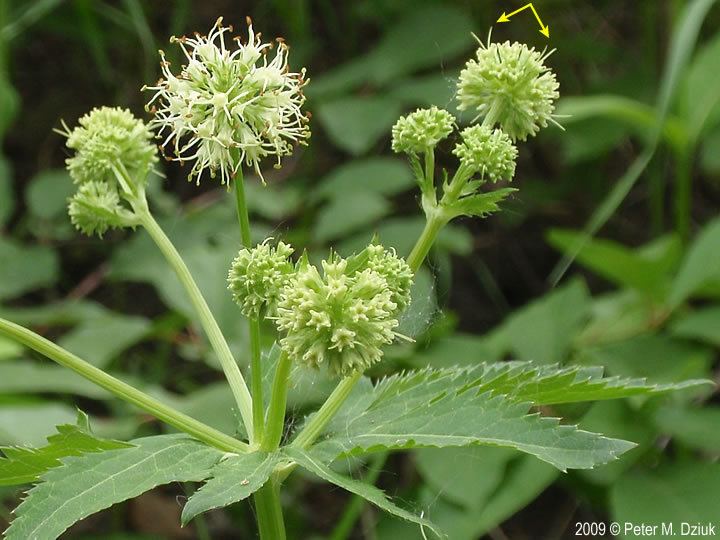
x: 230, y: 107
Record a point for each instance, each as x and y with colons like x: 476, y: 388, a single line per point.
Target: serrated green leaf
x: 481, y: 204
x: 23, y: 465
x: 488, y: 404
x: 366, y: 491
x: 92, y: 482
x: 233, y: 479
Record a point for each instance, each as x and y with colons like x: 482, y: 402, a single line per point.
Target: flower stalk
x: 215, y: 336
x: 258, y: 409
x: 124, y: 391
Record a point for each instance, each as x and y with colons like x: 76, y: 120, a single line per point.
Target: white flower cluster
x: 229, y: 107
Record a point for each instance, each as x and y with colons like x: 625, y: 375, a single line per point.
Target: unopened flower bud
x: 487, y: 152
x: 258, y: 275
x: 421, y: 130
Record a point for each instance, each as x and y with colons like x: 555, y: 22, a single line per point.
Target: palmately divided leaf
x: 23, y: 465
x: 92, y: 482
x: 487, y: 404
x: 368, y: 492
x: 232, y: 480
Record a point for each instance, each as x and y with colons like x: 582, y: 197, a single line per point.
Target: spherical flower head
x: 96, y: 207
x: 512, y: 83
x: 108, y: 141
x: 258, y: 275
x: 340, y: 319
x: 229, y: 106
x: 421, y: 130
x: 488, y: 152
x: 395, y: 271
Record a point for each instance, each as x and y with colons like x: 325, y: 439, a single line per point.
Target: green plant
x: 230, y: 107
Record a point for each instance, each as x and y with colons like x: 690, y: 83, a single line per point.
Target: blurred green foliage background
x: 638, y: 165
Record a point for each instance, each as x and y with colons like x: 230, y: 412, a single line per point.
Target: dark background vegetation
x: 640, y: 311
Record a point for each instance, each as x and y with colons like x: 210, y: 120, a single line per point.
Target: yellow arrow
x: 544, y: 29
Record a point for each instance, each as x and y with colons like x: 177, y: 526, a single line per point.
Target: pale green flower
x: 258, y: 275
x: 511, y: 83
x: 488, y: 152
x: 229, y: 105
x: 421, y: 130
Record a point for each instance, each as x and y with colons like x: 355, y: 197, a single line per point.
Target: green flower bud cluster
x: 394, y: 270
x: 487, y: 152
x: 113, y: 154
x: 229, y: 104
x: 258, y: 275
x: 419, y: 131
x: 512, y: 84
x: 337, y: 319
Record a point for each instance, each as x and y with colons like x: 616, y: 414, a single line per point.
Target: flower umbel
x: 114, y: 153
x: 341, y: 318
x: 422, y: 130
x: 486, y: 151
x: 511, y: 84
x: 258, y: 275
x: 110, y: 141
x: 229, y: 107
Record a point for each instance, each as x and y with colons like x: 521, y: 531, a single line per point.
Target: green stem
x: 331, y: 406
x: 208, y: 322
x: 256, y: 385
x: 430, y: 168
x: 435, y: 222
x: 276, y: 412
x: 121, y: 389
x: 355, y: 506
x: 269, y: 510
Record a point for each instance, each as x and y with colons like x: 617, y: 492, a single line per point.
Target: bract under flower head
x: 486, y: 151
x: 258, y: 275
x: 512, y: 83
x: 229, y: 106
x: 108, y: 141
x: 341, y: 318
x: 421, y: 130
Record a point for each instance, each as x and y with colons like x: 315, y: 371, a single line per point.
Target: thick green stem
x: 208, y: 322
x: 331, y: 406
x: 121, y: 389
x: 269, y: 510
x: 276, y: 412
x: 253, y: 322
